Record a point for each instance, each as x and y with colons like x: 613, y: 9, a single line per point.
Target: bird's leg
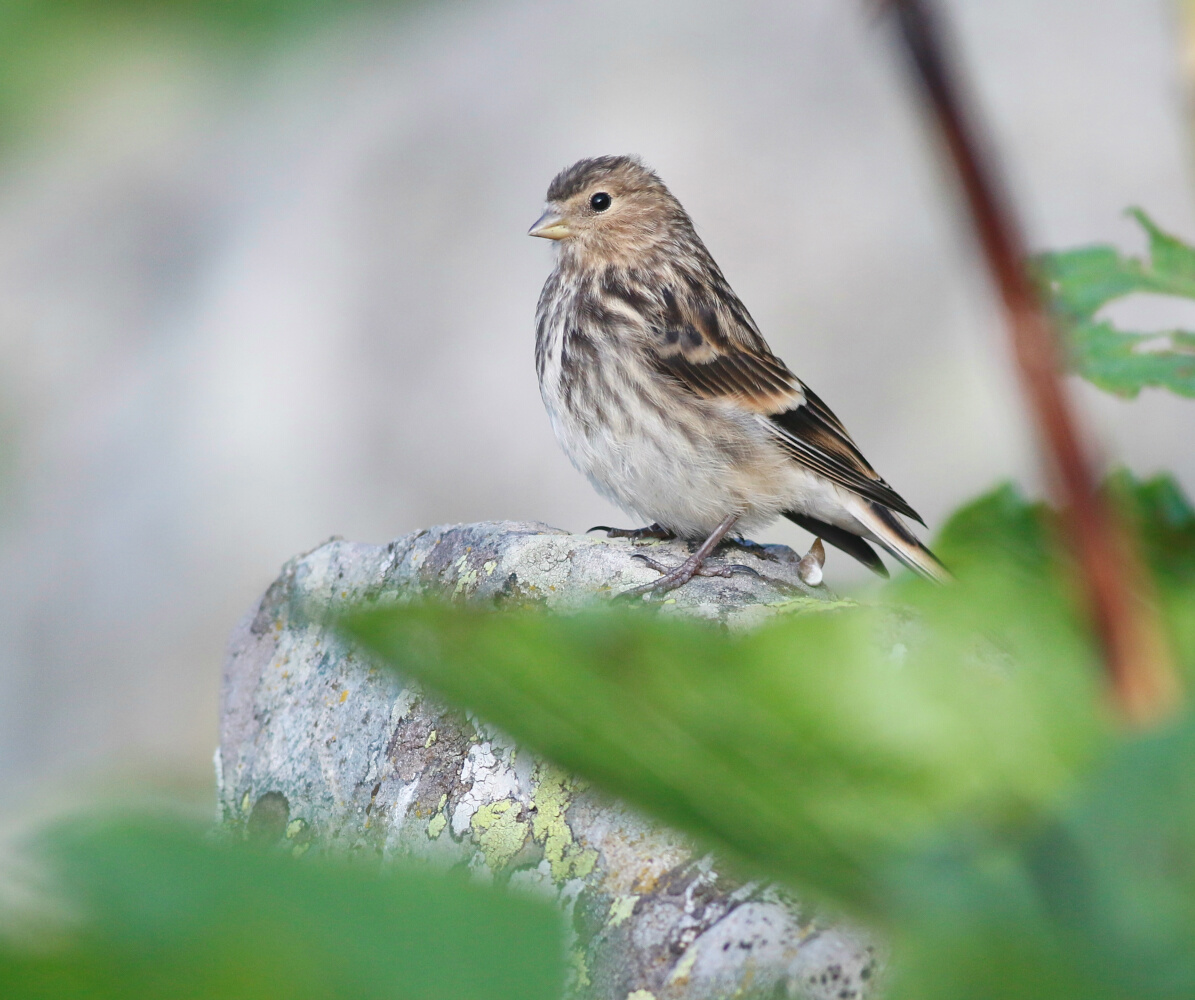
x: 691, y: 567
x: 652, y: 531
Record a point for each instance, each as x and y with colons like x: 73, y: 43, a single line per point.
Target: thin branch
x: 1118, y: 591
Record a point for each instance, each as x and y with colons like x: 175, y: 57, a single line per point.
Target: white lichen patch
x: 491, y: 779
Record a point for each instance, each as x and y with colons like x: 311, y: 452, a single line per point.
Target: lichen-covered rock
x: 319, y: 750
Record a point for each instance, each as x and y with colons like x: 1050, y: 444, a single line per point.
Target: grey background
x: 242, y: 311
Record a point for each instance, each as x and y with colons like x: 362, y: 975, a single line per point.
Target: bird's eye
x: 600, y: 202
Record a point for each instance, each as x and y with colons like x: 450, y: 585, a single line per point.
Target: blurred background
x: 264, y: 279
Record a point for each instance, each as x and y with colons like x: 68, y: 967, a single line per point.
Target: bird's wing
x: 714, y: 350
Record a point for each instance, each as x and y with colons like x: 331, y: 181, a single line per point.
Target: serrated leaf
x: 1082, y: 281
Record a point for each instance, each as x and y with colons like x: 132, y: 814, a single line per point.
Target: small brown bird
x: 663, y: 392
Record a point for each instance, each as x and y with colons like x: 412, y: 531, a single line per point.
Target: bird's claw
x: 702, y: 570
x: 671, y: 579
x: 651, y: 531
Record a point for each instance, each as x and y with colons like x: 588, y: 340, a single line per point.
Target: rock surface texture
x: 319, y: 751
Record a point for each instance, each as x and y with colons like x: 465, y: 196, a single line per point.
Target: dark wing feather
x: 750, y: 380
x: 706, y: 341
x: 816, y: 438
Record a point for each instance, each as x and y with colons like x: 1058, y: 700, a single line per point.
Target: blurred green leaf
x: 934, y: 763
x: 812, y: 749
x: 154, y: 910
x: 969, y: 924
x: 1080, y: 282
x: 237, y: 18
x: 1117, y: 872
x: 1002, y: 534
x: 1165, y: 524
x: 1095, y: 902
x: 48, y: 48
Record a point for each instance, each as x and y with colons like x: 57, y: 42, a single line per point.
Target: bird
x: 662, y: 391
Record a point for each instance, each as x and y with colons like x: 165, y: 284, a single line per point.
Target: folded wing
x: 711, y: 348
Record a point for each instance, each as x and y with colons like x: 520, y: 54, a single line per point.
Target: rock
x: 320, y: 751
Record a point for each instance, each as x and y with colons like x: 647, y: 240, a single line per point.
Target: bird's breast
x: 643, y: 441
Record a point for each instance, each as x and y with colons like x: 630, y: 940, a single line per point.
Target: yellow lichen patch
x: 577, y: 960
x: 621, y: 909
x: 246, y: 805
x: 295, y: 827
x: 680, y: 975
x: 641, y: 995
x: 436, y: 826
x: 499, y: 832
x: 489, y: 567
x: 798, y: 604
x: 431, y: 738
x: 550, y: 828
x: 466, y: 580
x: 343, y: 695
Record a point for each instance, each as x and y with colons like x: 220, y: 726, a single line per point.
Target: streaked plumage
x: 663, y: 392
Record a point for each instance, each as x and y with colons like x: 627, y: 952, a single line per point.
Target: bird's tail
x: 888, y: 530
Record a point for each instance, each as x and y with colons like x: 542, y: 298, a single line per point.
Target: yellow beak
x: 550, y: 226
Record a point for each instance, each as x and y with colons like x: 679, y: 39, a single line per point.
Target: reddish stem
x: 1117, y: 586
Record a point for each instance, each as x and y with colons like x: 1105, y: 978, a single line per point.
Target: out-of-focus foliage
x: 1094, y: 901
x: 1081, y: 282
x: 1165, y: 524
x: 151, y: 909
x: 809, y: 748
x: 48, y: 47
x: 944, y: 763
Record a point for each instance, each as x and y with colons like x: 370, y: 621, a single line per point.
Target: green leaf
x: 1117, y: 873
x: 812, y: 749
x: 1080, y: 282
x: 155, y: 910
x: 1095, y: 902
x: 971, y: 925
x: 1165, y: 524
x: 932, y: 763
x: 821, y: 745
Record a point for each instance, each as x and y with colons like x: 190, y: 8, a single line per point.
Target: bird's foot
x: 635, y: 534
x: 670, y: 579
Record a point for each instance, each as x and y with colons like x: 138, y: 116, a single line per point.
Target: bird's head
x: 611, y: 207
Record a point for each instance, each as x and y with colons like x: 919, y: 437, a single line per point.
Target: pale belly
x: 689, y: 474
